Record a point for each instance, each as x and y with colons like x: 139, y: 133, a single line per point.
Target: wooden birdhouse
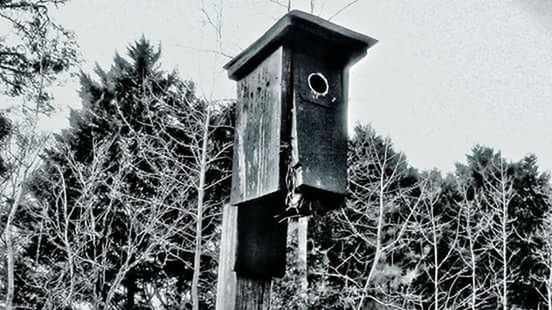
x: 291, y: 132
x: 291, y: 121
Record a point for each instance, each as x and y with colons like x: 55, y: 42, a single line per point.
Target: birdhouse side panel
x: 256, y: 162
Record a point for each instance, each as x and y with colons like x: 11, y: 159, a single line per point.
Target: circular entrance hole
x: 318, y: 84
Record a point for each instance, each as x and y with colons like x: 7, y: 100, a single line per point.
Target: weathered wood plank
x: 282, y: 111
x: 320, y: 122
x: 226, y: 282
x: 256, y: 163
x: 253, y: 294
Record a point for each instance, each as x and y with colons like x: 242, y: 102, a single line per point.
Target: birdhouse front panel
x: 256, y: 168
x: 320, y: 121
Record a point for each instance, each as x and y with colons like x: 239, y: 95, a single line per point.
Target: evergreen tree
x: 526, y: 211
x: 121, y: 182
x: 431, y: 223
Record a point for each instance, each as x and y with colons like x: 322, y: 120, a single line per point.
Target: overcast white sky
x: 444, y: 76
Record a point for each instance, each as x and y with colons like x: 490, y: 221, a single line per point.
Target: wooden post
x: 261, y: 252
x: 247, y: 284
x: 291, y: 83
x: 253, y: 294
x: 226, y: 282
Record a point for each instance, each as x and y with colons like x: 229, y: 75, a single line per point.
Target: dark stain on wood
x: 253, y: 294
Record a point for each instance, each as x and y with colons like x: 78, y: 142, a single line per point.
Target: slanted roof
x: 298, y: 27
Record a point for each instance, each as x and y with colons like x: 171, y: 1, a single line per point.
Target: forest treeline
x: 122, y: 209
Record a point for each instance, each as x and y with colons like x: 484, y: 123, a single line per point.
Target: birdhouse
x: 291, y: 121
x: 290, y: 133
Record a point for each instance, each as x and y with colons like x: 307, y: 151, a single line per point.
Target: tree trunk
x: 378, y: 249
x: 435, y: 260
x: 504, y: 247
x: 472, y: 261
x: 10, y: 250
x: 130, y: 290
x: 253, y: 294
x: 549, y: 288
x: 199, y: 217
x: 302, y: 228
x: 11, y: 270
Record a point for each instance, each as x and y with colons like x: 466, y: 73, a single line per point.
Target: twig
x: 343, y: 9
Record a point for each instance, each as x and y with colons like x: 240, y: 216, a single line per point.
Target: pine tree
x: 121, y: 181
x: 525, y: 213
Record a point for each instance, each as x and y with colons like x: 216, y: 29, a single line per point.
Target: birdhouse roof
x: 296, y: 28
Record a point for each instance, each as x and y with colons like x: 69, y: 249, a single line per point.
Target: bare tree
x: 473, y: 249
x: 34, y: 51
x: 107, y: 228
x: 21, y: 155
x: 487, y: 230
x: 375, y: 171
x: 498, y: 196
x: 439, y: 232
x: 201, y: 122
x: 544, y: 255
x: 205, y: 154
x: 32, y: 56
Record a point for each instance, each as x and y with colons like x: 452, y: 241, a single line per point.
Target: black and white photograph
x: 275, y: 154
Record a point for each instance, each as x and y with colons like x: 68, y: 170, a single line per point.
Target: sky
x: 445, y: 75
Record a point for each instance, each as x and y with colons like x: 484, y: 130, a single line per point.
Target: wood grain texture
x: 256, y: 163
x: 320, y: 122
x: 253, y: 294
x: 273, y: 94
x: 226, y: 282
